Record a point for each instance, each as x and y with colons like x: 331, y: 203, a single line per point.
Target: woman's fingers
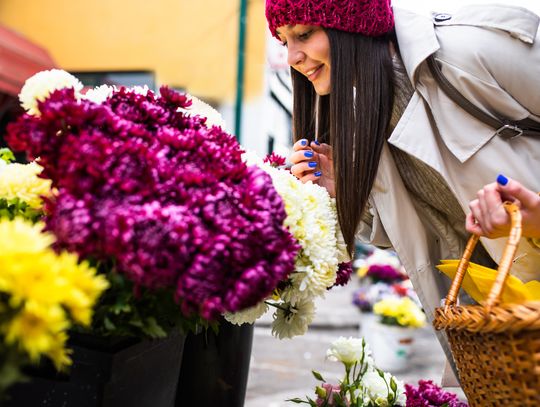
x: 488, y: 216
x: 304, y: 168
x: 301, y: 145
x: 313, y: 177
x: 472, y: 225
x: 511, y: 190
x: 474, y: 220
x: 322, y: 148
x: 494, y: 217
x: 302, y: 156
x: 528, y: 201
x: 313, y: 162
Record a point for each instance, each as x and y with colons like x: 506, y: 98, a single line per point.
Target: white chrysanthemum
x: 376, y: 389
x: 3, y: 165
x: 292, y: 320
x: 350, y: 351
x: 199, y: 108
x: 247, y: 316
x: 312, y: 220
x: 139, y: 90
x: 41, y: 85
x: 99, y: 94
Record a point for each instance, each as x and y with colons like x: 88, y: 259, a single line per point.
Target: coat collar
x: 416, y: 33
x: 416, y: 38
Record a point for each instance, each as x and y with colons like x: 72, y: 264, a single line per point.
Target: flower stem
x: 275, y: 305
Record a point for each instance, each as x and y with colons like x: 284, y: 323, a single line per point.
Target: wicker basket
x: 496, y: 347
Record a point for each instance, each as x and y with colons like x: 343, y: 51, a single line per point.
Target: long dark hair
x: 353, y: 118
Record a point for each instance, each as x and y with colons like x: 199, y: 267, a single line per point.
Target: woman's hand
x: 313, y: 162
x: 488, y: 216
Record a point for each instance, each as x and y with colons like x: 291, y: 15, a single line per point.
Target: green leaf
x: 154, y: 329
x: 297, y: 401
x: 7, y: 155
x: 318, y: 376
x: 109, y: 325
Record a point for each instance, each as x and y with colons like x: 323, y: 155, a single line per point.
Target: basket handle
x: 504, y: 264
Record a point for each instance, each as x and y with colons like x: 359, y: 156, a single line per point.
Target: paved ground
x: 281, y: 369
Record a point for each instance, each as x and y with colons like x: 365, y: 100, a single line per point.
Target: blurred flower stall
x: 390, y: 309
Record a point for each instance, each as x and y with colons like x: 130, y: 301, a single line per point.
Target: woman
x: 403, y: 160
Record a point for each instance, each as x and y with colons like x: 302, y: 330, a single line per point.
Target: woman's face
x: 309, y: 53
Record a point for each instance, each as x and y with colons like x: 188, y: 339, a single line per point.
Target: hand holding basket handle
x: 488, y: 218
x: 504, y: 264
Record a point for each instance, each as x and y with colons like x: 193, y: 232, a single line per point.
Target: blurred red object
x: 20, y: 58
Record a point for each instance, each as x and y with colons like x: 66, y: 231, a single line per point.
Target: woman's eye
x: 305, y: 36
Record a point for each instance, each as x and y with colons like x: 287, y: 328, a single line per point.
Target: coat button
x: 439, y: 17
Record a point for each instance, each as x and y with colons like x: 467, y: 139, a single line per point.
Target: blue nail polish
x: 312, y: 164
x: 303, y: 142
x: 308, y: 154
x: 317, y: 143
x: 318, y: 174
x: 501, y: 179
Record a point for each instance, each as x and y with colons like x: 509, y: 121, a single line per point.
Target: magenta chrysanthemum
x: 428, y: 394
x: 344, y: 273
x: 142, y: 182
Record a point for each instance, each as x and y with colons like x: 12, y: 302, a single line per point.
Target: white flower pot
x: 391, y: 346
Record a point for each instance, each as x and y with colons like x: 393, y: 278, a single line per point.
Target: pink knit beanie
x: 368, y: 17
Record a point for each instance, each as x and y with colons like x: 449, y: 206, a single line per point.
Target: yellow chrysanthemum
x: 82, y: 287
x: 36, y: 329
x: 404, y: 310
x: 362, y: 271
x: 21, y: 181
x: 41, y: 285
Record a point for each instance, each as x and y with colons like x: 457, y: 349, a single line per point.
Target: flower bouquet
x: 364, y: 385
x: 43, y: 294
x: 159, y: 200
x: 321, y: 263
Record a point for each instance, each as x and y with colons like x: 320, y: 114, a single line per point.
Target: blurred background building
x: 188, y: 45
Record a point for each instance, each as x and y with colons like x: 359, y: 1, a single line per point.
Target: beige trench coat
x: 491, y: 54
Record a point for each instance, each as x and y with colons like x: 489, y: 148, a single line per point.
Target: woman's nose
x: 294, y: 56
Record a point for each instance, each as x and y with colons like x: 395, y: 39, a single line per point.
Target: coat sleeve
x: 491, y: 67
